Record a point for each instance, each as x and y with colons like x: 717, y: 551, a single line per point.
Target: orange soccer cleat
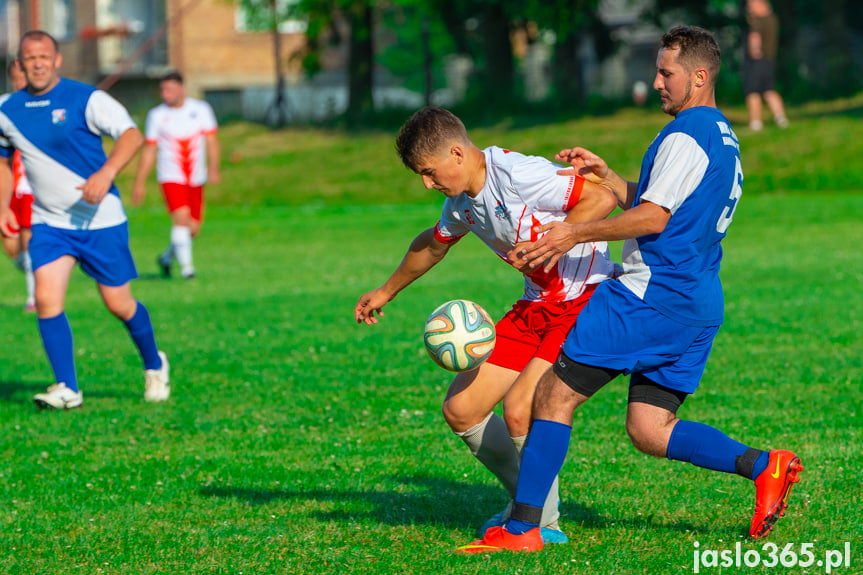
x: 499, y: 539
x: 772, y: 487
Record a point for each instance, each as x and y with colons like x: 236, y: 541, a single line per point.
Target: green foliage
x: 299, y: 442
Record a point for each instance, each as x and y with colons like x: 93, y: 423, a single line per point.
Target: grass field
x: 296, y: 441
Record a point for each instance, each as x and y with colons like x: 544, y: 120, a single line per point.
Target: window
x: 58, y: 18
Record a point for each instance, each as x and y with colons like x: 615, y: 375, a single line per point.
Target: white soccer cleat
x: 157, y: 386
x: 59, y: 396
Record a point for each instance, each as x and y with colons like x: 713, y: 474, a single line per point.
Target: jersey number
x: 734, y: 198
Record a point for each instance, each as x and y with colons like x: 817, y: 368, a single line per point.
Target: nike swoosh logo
x: 775, y: 475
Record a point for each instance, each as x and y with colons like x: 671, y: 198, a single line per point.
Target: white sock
x: 489, y: 442
x: 181, y: 243
x: 27, y: 266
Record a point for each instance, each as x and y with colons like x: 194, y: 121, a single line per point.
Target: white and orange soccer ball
x: 459, y: 335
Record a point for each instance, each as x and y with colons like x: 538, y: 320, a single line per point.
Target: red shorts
x: 535, y: 329
x: 183, y: 196
x: 21, y: 206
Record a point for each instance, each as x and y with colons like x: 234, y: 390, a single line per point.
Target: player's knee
x: 640, y: 436
x: 517, y: 417
x: 451, y: 415
x: 459, y: 416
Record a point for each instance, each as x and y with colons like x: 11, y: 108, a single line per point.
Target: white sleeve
x: 107, y: 116
x: 209, y: 120
x: 538, y: 184
x: 151, y: 134
x: 678, y: 168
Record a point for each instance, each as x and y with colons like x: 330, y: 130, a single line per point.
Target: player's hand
x: 557, y: 239
x: 214, y: 175
x: 138, y: 192
x: 9, y: 224
x: 520, y: 264
x: 584, y: 163
x: 95, y: 188
x: 369, y: 304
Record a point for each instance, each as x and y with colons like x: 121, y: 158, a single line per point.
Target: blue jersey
x: 693, y: 169
x: 59, y: 135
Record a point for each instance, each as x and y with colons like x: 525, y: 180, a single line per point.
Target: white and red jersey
x: 20, y: 183
x: 180, y: 135
x: 521, y: 192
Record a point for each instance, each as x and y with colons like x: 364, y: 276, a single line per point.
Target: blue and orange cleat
x: 499, y: 539
x: 772, y: 487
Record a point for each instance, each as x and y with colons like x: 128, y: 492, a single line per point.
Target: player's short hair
x: 426, y: 133
x: 38, y: 35
x: 172, y: 76
x: 697, y: 48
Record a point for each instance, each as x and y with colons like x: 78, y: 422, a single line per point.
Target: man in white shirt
x: 181, y: 141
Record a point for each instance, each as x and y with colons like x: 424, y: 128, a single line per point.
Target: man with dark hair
x: 498, y: 195
x: 657, y: 320
x: 78, y: 218
x: 182, y: 142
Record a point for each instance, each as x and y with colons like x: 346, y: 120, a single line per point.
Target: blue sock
x: 707, y: 447
x: 57, y: 339
x: 540, y: 463
x: 141, y: 329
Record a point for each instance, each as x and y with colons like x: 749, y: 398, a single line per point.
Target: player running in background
x: 499, y: 195
x: 181, y: 142
x: 57, y: 124
x: 15, y: 244
x: 658, y: 320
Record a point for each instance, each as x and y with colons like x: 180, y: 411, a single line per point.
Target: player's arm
x: 98, y: 184
x: 595, y: 203
x: 594, y: 169
x: 145, y: 165
x: 214, y: 158
x: 644, y: 219
x: 754, y: 41
x: 424, y: 252
x: 8, y: 222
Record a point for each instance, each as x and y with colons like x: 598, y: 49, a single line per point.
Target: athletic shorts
x: 758, y: 76
x: 104, y: 254
x: 535, y: 329
x: 22, y: 206
x: 183, y: 196
x: 617, y: 330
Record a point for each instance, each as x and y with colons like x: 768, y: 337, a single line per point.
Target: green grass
x: 299, y: 442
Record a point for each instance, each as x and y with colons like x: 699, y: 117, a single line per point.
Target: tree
x: 324, y: 18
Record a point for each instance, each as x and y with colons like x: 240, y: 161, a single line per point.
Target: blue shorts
x: 617, y: 330
x: 104, y: 254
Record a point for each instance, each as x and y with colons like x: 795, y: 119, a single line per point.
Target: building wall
x: 205, y: 46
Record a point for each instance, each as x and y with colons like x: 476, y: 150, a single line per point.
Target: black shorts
x: 588, y: 379
x: 758, y: 76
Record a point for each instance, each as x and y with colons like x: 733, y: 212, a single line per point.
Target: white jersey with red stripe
x: 521, y: 192
x: 20, y: 183
x: 180, y: 135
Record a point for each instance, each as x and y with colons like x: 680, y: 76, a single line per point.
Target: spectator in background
x: 759, y: 70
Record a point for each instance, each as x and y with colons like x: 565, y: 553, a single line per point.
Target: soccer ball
x: 459, y: 335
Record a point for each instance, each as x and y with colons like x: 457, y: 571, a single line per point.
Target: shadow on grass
x: 439, y: 501
x: 9, y: 390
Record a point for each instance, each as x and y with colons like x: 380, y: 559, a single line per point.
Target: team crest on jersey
x: 58, y: 116
x: 501, y: 212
